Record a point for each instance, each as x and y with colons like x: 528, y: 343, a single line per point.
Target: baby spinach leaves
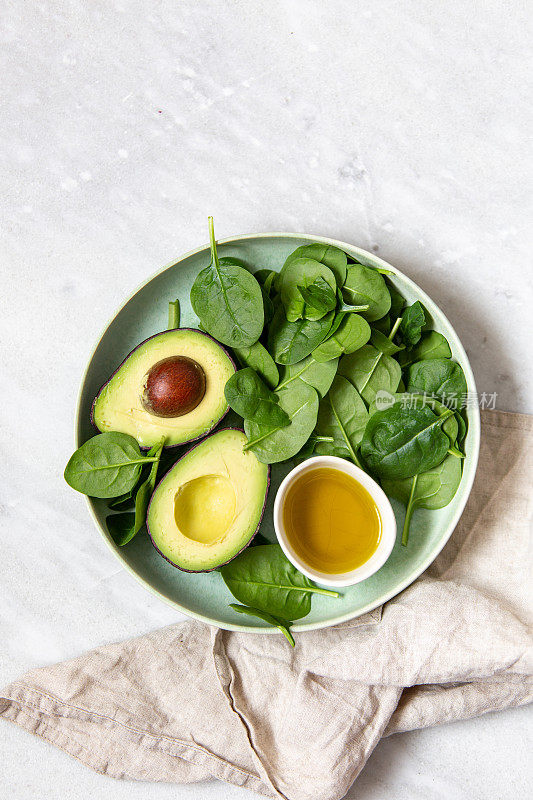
x: 264, y: 579
x: 316, y: 373
x: 252, y: 399
x: 265, y: 278
x: 290, y: 342
x: 461, y: 427
x: 304, y: 276
x: 108, y: 465
x: 282, y: 625
x: 272, y: 443
x: 348, y: 333
x: 343, y: 417
x: 348, y: 307
x: 440, y: 377
x: 370, y: 370
x: 123, y: 527
x: 228, y: 300
x: 319, y: 298
x: 384, y: 344
x: 365, y: 286
x: 431, y: 345
x: 258, y: 358
x: 432, y: 489
x: 413, y: 321
x: 400, y: 442
x: 124, y: 501
x: 327, y: 254
x: 397, y: 301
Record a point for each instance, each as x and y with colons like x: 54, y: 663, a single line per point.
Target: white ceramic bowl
x: 388, y: 522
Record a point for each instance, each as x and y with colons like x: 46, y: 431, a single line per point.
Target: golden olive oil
x: 331, y: 521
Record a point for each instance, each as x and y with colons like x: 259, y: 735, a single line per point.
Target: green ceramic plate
x: 205, y: 596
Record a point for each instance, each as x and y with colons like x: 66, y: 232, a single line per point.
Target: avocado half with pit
x: 208, y: 507
x: 171, y: 385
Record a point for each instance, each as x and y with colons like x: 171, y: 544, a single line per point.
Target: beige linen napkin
x: 191, y: 702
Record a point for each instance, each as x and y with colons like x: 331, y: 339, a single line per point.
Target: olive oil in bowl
x: 331, y: 521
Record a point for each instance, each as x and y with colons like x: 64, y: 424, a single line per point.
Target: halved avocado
x: 171, y: 385
x: 208, y: 507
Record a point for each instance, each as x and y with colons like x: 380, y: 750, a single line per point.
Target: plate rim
x: 474, y: 427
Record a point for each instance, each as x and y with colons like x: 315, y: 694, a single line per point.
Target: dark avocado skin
x: 211, y: 569
x: 126, y: 359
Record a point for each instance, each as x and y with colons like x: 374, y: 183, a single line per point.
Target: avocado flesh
x: 119, y: 404
x: 209, y: 505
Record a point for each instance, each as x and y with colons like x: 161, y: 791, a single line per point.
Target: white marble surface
x: 399, y: 126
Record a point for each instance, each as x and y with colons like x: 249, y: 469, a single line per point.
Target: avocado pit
x: 173, y: 387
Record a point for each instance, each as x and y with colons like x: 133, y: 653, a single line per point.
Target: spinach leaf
x: 328, y: 446
x: 276, y: 443
x: 400, y: 442
x: 349, y: 333
x: 281, y: 625
x: 412, y: 324
x: 265, y: 277
x: 228, y: 300
x: 318, y: 374
x: 453, y: 450
x: 296, y: 276
x: 319, y: 297
x: 382, y: 325
x: 440, y: 377
x: 327, y: 254
x: 123, y: 502
x: 269, y: 284
x: 108, y: 465
x: 384, y: 399
x: 173, y: 314
x: 268, y: 306
x: 343, y: 416
x: 452, y: 426
x: 371, y: 371
x: 365, y: 286
x: 461, y: 426
x: 348, y: 307
x: 289, y: 342
x: 146, y: 489
x: 123, y: 527
x: 449, y: 426
x: 431, y: 345
x: 432, y: 489
x: 263, y: 578
x: 258, y: 358
x: 259, y: 539
x: 397, y: 301
x: 313, y: 442
x: 382, y: 343
x: 252, y: 399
